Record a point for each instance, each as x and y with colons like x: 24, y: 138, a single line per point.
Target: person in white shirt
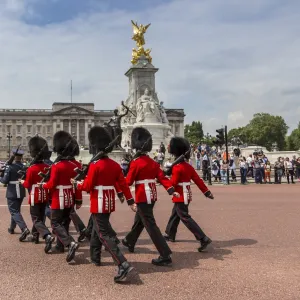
x: 168, y: 163
x: 289, y: 170
x: 250, y: 162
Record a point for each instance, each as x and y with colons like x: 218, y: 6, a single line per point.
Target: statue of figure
x: 147, y: 105
x: 138, y: 36
x: 114, y: 125
x: 163, y: 114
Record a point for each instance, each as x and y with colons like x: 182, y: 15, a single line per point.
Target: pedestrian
x: 243, y: 170
x: 63, y: 196
x: 268, y: 172
x: 144, y: 172
x: 104, y: 175
x: 182, y: 174
x: 37, y: 198
x: 289, y: 170
x: 15, y: 194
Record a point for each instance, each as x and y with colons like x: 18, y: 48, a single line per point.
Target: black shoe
x: 162, y: 261
x: 126, y: 244
x: 24, y: 235
x: 35, y: 239
x: 96, y: 263
x: 167, y: 238
x: 72, y: 249
x: 204, y: 243
x: 117, y: 241
x: 123, y: 271
x: 10, y: 230
x: 48, y: 240
x: 82, y: 236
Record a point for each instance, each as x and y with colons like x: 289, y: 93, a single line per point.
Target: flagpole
x: 71, y: 92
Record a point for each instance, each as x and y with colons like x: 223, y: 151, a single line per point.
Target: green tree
x: 265, y: 129
x: 194, y: 132
x: 238, y: 132
x: 293, y: 140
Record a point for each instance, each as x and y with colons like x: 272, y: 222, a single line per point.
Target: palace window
x: 29, y: 127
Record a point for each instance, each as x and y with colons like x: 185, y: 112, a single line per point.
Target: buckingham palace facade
x: 17, y: 126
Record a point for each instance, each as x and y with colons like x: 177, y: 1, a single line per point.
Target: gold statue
x: 138, y: 36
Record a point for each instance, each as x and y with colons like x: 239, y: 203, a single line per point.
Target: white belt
x: 147, y: 187
x: 61, y: 189
x: 34, y: 186
x: 17, y: 183
x: 100, y: 189
x: 185, y: 191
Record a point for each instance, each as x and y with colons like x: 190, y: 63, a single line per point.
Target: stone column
x: 77, y: 134
x: 86, y: 140
x: 54, y: 127
x: 70, y: 130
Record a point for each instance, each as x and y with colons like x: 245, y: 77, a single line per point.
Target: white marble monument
x: 147, y: 110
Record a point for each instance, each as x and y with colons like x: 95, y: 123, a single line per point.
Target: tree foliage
x: 293, y: 140
x: 194, y: 132
x: 263, y: 130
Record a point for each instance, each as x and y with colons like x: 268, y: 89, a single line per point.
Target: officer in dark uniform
x: 15, y: 194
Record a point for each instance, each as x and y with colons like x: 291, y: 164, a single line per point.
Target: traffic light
x: 220, y: 138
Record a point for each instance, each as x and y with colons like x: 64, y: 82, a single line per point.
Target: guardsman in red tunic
x: 63, y: 195
x: 104, y: 177
x: 182, y: 174
x: 38, y: 197
x: 144, y: 171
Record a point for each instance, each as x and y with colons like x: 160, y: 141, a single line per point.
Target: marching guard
x: 144, y: 171
x: 15, y: 194
x: 37, y: 197
x: 182, y: 174
x: 104, y: 177
x: 62, y: 192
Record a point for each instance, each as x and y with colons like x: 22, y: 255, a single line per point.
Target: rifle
x: 9, y: 162
x: 46, y: 176
x: 81, y: 173
x: 33, y: 161
x: 181, y: 158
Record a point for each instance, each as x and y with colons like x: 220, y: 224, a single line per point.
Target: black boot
x: 123, y: 271
x: 35, y: 238
x: 204, y: 243
x: 57, y: 249
x: 162, y: 261
x: 48, y: 240
x: 82, y: 236
x: 72, y: 249
x: 11, y: 230
x: 25, y: 233
x: 169, y: 239
x: 126, y: 244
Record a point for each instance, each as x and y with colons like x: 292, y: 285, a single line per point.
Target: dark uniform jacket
x: 14, y: 189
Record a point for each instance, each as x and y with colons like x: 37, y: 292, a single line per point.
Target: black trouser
x: 145, y: 218
x: 205, y: 173
x: 79, y: 225
x: 60, y: 221
x: 101, y: 234
x: 288, y: 174
x: 180, y: 211
x: 89, y: 228
x: 37, y: 213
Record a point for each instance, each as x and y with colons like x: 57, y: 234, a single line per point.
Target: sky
x: 222, y: 61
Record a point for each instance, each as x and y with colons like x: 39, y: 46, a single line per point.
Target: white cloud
x: 219, y: 60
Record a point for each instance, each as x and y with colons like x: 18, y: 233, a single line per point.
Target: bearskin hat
x: 139, y: 137
x: 179, y: 146
x: 35, y: 145
x: 99, y: 139
x: 60, y: 141
x: 73, y: 148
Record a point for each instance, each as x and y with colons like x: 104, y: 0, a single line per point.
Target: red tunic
x: 144, y: 171
x: 62, y: 192
x: 36, y: 194
x: 182, y: 174
x: 103, y: 179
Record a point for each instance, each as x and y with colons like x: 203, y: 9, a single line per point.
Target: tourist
x: 289, y: 170
x: 268, y: 172
x: 224, y: 168
x: 243, y: 170
x: 278, y: 167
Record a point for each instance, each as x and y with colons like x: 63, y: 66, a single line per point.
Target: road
x: 255, y: 253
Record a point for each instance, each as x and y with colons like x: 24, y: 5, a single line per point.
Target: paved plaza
x: 255, y: 253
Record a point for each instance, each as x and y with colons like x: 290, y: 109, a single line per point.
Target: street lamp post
x: 9, y: 137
